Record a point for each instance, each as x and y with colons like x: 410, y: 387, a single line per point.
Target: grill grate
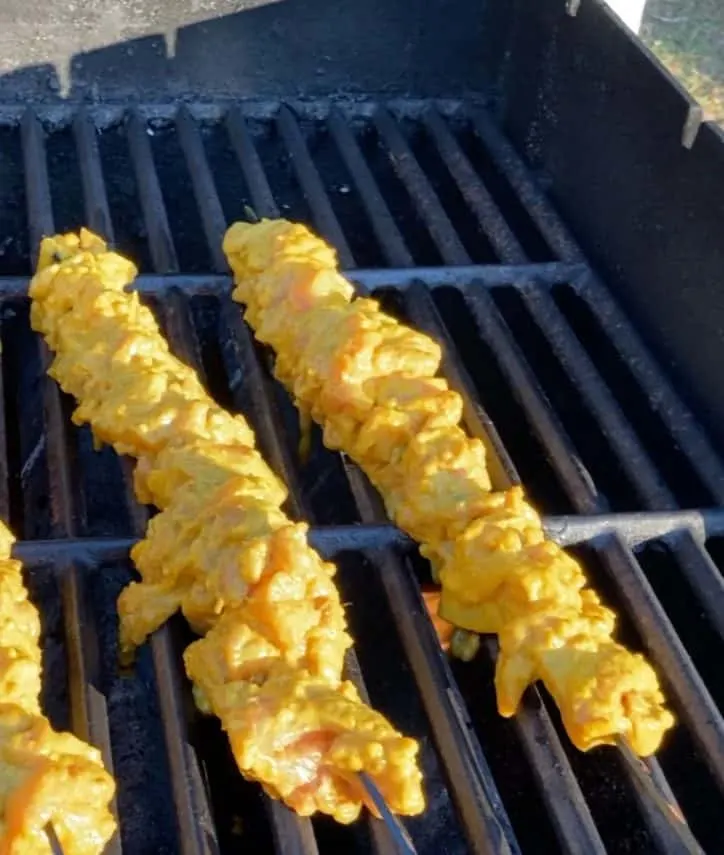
x: 452, y: 233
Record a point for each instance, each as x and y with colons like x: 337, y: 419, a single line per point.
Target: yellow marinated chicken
x: 600, y: 687
x: 302, y: 737
x: 221, y: 549
x: 110, y: 355
x: 371, y: 384
x: 48, y: 777
x: 20, y: 656
x: 197, y: 458
x: 45, y: 776
x: 237, y: 553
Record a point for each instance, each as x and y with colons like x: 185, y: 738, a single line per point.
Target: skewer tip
x: 398, y: 832
x: 55, y: 846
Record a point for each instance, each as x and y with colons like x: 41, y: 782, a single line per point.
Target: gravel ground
x: 688, y: 36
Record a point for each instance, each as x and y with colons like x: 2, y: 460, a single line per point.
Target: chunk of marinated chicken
x: 303, y: 738
x: 110, y: 355
x: 45, y: 776
x: 221, y: 549
x: 604, y: 692
x: 372, y: 385
x: 247, y: 564
x: 50, y: 778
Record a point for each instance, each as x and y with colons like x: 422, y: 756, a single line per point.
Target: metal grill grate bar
x: 312, y: 186
x: 95, y: 198
x: 575, y: 825
x: 669, y: 653
x: 436, y: 220
x: 664, y: 400
x: 479, y: 200
x: 250, y: 162
x: 467, y: 278
x: 438, y: 153
x: 477, y: 798
x: 453, y: 252
x: 37, y: 185
x: 535, y: 203
x: 207, y: 199
x: 572, y: 818
x: 598, y: 398
x: 196, y: 831
x: 88, y: 705
x: 163, y: 252
x: 277, y: 452
x: 88, y: 708
x: 40, y: 223
x: 381, y: 220
x: 291, y: 832
x: 197, y: 835
x: 331, y: 540
x: 700, y: 571
x: 526, y: 388
x: 702, y: 574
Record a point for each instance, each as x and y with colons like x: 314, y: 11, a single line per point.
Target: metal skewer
x: 397, y: 830
x: 55, y: 846
x: 670, y: 812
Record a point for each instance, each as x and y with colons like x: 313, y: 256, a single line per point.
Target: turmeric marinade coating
x: 221, y: 550
x: 371, y: 383
x: 45, y: 776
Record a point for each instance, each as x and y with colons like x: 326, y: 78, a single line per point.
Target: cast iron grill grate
x: 430, y: 209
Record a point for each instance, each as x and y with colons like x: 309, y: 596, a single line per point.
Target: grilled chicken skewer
x: 52, y: 785
x: 221, y: 550
x: 372, y: 385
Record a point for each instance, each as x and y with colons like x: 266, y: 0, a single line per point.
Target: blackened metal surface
x: 635, y: 173
x: 431, y: 211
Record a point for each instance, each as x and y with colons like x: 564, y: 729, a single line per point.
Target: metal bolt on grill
x: 430, y: 209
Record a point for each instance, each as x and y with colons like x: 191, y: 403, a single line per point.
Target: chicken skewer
x: 372, y: 385
x: 55, y: 847
x: 221, y: 550
x: 53, y: 786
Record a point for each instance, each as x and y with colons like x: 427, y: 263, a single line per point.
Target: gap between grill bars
x: 449, y: 229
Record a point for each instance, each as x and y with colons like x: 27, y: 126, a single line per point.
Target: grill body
x: 401, y: 150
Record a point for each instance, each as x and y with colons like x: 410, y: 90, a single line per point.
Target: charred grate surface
x: 432, y: 211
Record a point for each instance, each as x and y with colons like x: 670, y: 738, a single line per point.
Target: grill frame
x: 613, y: 535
